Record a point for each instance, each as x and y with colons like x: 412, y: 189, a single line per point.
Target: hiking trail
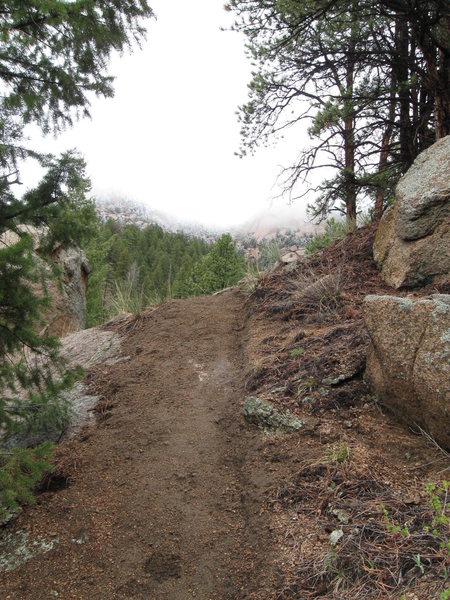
x: 165, y: 496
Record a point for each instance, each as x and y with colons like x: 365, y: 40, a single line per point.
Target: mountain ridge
x: 265, y: 225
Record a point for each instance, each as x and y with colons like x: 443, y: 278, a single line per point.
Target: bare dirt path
x: 165, y: 492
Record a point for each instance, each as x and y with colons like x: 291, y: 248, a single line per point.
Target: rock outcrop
x: 69, y: 311
x: 412, y: 245
x: 408, y: 364
x: 68, y: 292
x: 86, y: 349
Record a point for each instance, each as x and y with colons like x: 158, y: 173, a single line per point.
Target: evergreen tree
x: 160, y: 263
x: 53, y: 54
x: 372, y: 78
x: 220, y: 268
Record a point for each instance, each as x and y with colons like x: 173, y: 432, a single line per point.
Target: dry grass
x: 374, y: 558
x: 314, y: 298
x: 252, y: 278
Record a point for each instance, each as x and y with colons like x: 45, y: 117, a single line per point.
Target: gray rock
x: 16, y: 548
x: 71, y: 301
x: 334, y: 381
x: 342, y: 515
x: 68, y: 310
x: 408, y: 362
x: 85, y: 348
x: 267, y: 417
x: 412, y: 244
x: 10, y: 516
x: 423, y: 194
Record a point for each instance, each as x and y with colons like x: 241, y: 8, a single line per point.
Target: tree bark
x: 385, y: 145
x: 349, y: 126
x: 406, y: 153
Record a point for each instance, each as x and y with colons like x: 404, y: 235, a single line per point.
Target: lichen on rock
x: 268, y: 418
x: 412, y: 245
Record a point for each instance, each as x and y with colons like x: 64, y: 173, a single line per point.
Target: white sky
x: 169, y: 135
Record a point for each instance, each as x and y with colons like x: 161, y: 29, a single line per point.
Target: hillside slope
x: 172, y: 494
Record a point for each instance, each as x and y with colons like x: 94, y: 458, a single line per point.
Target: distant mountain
x: 129, y: 212
x: 286, y: 224
x: 272, y: 223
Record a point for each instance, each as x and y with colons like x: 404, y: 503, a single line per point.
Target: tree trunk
x: 349, y: 126
x: 406, y: 154
x: 442, y: 98
x: 350, y: 186
x: 385, y: 145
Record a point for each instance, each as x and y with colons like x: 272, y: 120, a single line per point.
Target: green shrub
x: 339, y: 455
x: 297, y: 352
x: 334, y: 230
x: 20, y: 470
x: 439, y: 504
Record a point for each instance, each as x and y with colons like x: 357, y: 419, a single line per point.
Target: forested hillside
x: 133, y: 268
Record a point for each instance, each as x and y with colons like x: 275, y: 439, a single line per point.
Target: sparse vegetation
x: 440, y: 506
x: 127, y: 298
x: 312, y: 297
x: 339, y: 454
x: 334, y: 230
x: 317, y: 306
x: 253, y: 276
x: 383, y: 551
x: 270, y: 254
x: 295, y: 352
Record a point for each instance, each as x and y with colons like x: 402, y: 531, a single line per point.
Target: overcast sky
x: 169, y: 135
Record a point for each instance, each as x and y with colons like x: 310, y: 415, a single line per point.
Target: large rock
x: 412, y: 245
x: 86, y: 349
x: 408, y: 362
x: 69, y: 311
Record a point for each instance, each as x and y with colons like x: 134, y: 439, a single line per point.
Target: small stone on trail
x: 342, y: 515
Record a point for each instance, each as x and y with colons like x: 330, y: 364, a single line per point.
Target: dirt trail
x: 166, y: 492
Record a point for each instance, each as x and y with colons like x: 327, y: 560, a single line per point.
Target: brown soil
x: 165, y: 496
x: 308, y: 352
x: 172, y: 495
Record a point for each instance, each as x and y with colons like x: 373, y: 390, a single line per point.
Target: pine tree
x: 372, y: 78
x: 220, y: 268
x: 53, y: 55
